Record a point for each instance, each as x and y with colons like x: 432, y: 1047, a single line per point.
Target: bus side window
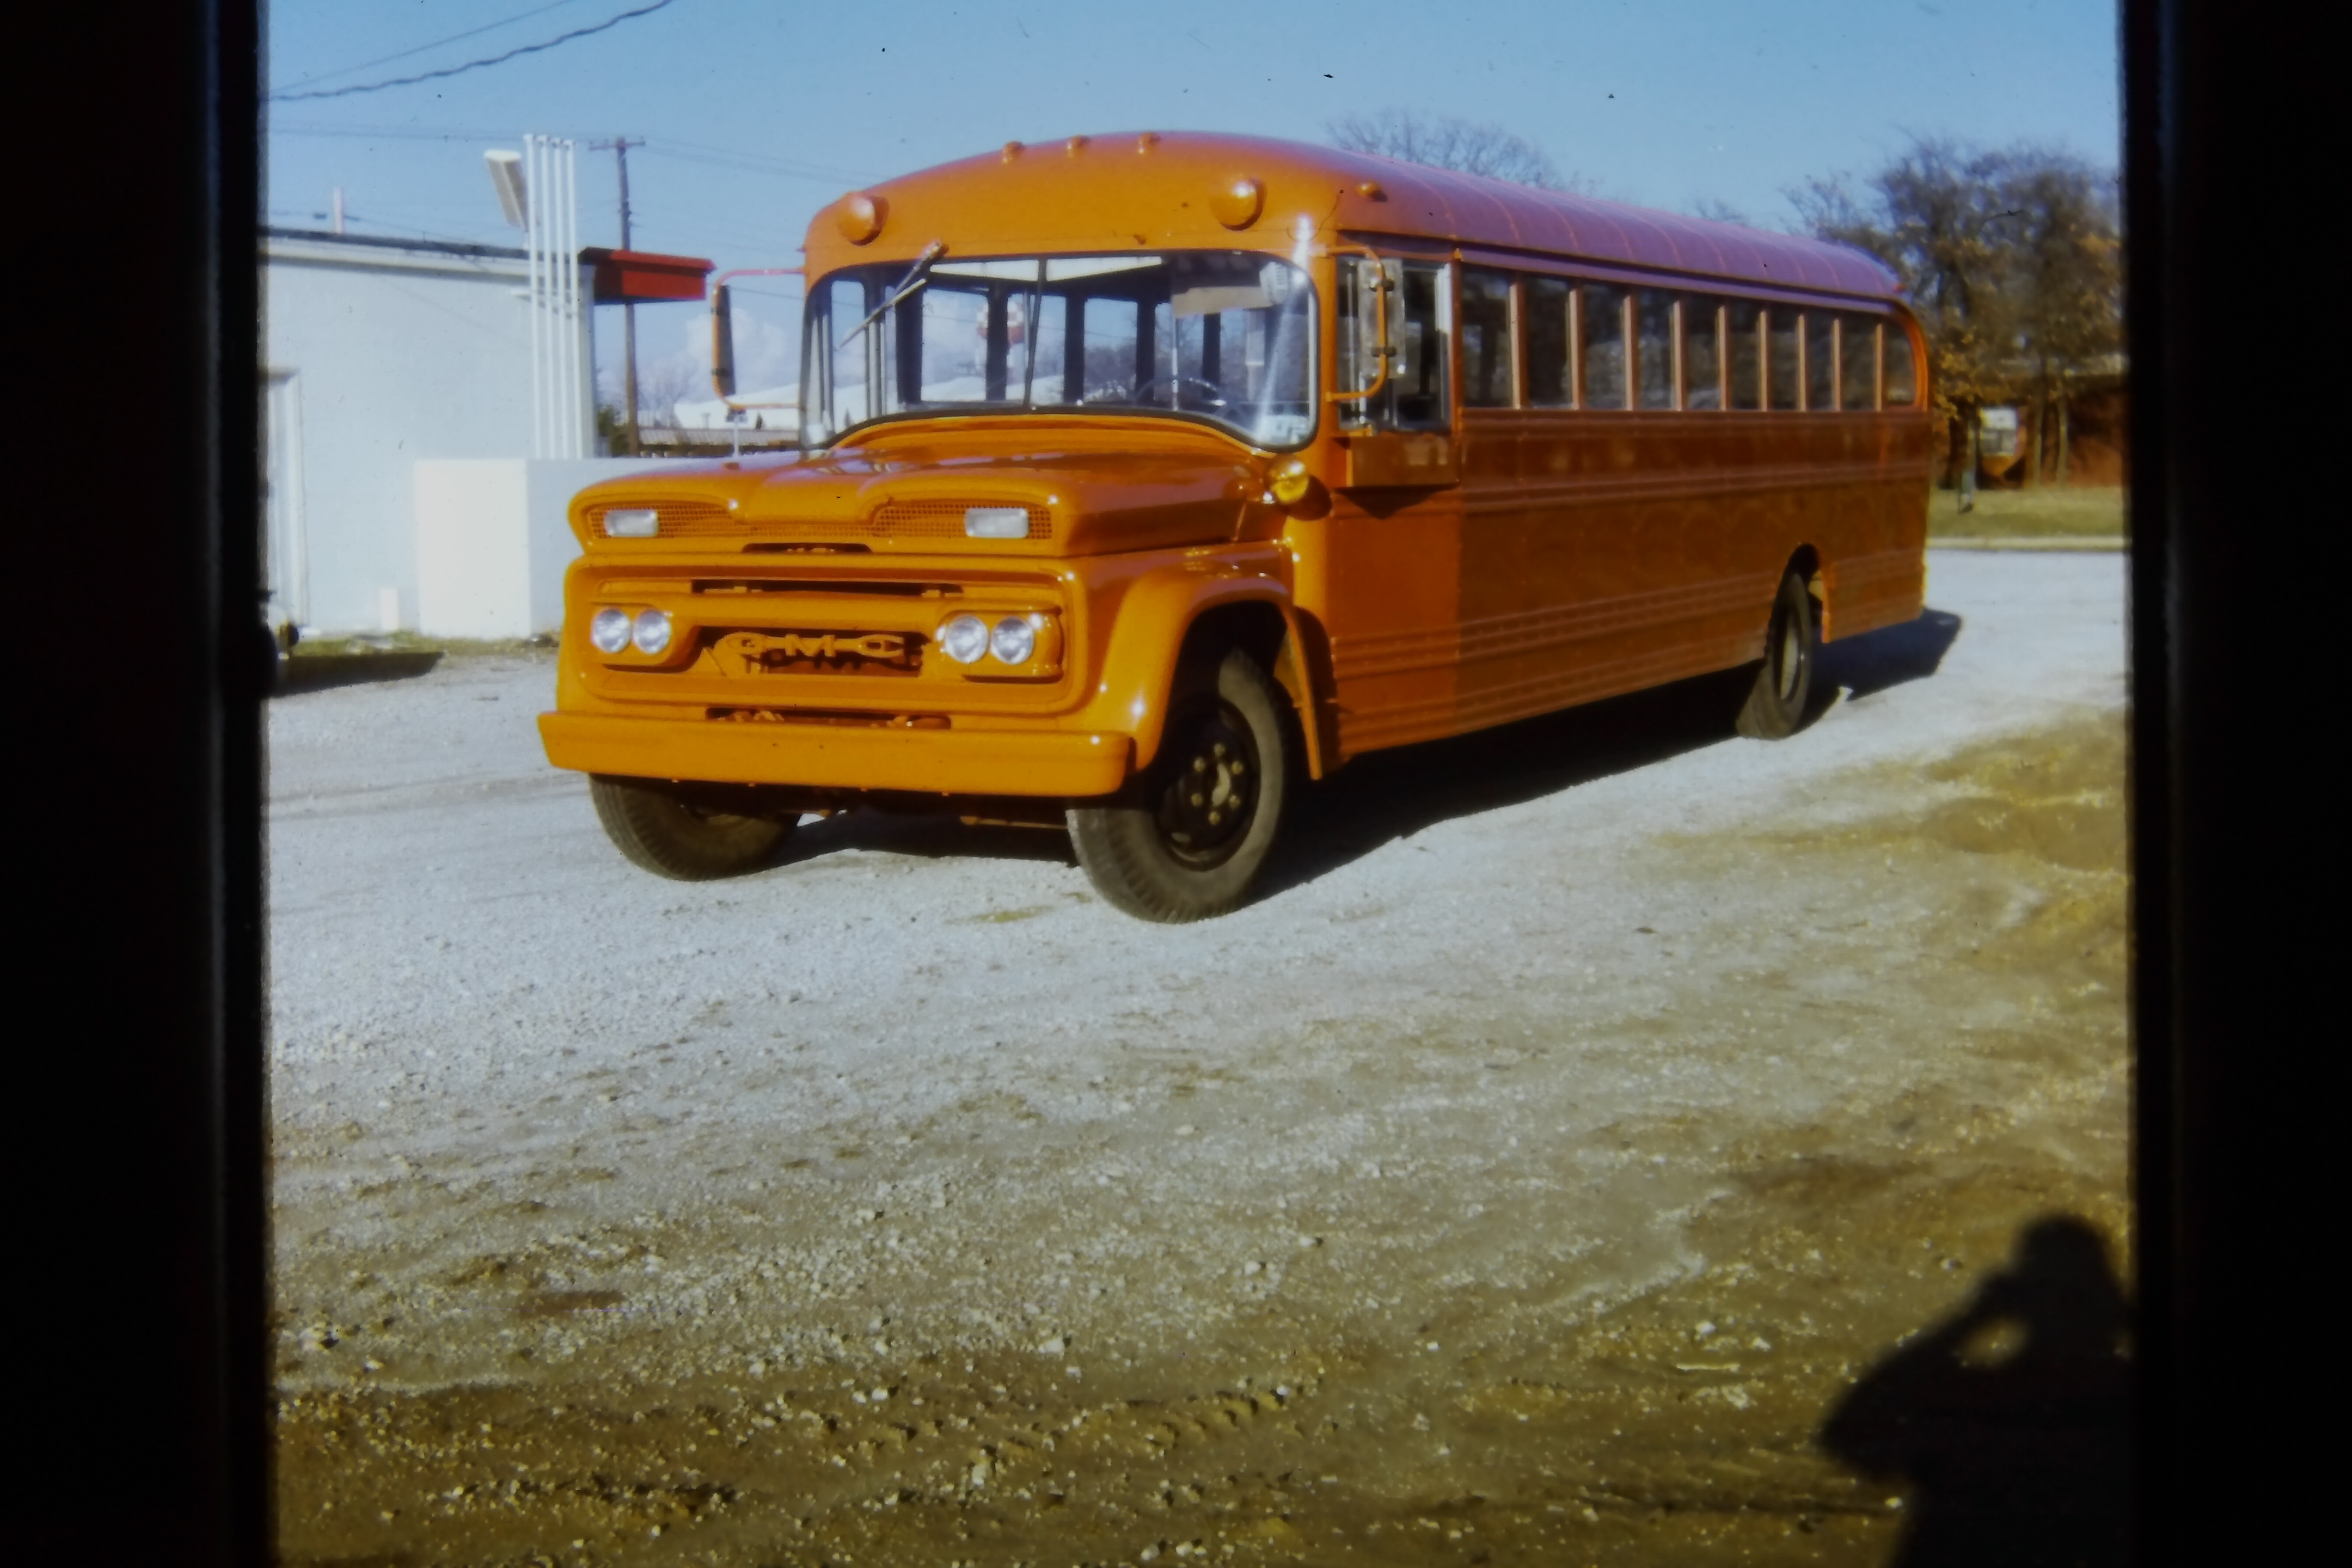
x: 1858, y: 361
x: 1601, y: 311
x: 1551, y: 378
x: 1702, y: 353
x: 1420, y: 320
x: 1654, y: 336
x: 1821, y: 361
x: 1744, y: 328
x: 1782, y: 380
x: 1902, y: 376
x: 1487, y: 340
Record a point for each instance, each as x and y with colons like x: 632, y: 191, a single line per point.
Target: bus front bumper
x: 954, y: 761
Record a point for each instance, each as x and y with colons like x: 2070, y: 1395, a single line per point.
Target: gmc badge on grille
x: 764, y: 653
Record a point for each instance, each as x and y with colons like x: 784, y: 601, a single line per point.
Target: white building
x: 382, y: 355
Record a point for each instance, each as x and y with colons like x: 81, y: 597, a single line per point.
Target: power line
x: 394, y: 132
x: 670, y: 146
x: 661, y: 146
x: 452, y: 38
x: 473, y: 65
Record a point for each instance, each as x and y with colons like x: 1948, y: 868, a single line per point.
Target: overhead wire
x: 452, y: 38
x: 660, y: 146
x: 474, y: 65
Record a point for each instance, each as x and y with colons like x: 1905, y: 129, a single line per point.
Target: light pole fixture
x: 506, y: 176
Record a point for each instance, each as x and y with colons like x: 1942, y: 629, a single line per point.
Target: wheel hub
x: 1211, y: 791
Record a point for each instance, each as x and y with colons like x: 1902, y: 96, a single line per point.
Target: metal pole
x: 537, y: 195
x: 568, y: 285
x: 629, y: 307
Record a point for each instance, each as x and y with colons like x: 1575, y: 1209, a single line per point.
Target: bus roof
x: 1142, y: 190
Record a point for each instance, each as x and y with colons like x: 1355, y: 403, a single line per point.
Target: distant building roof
x: 428, y: 246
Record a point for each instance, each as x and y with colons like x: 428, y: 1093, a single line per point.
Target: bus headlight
x: 609, y: 631
x: 996, y: 522
x: 651, y: 633
x: 964, y: 639
x: 1013, y: 640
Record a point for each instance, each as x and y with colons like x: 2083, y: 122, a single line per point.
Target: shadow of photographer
x: 2008, y: 1423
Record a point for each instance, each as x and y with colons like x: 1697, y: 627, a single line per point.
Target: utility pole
x: 619, y: 146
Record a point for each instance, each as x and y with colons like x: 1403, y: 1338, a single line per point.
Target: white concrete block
x: 493, y: 538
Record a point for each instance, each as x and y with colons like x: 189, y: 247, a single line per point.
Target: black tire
x: 1775, y: 708
x: 661, y: 830
x: 1165, y: 850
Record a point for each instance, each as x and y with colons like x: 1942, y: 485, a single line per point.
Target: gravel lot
x: 1527, y: 1176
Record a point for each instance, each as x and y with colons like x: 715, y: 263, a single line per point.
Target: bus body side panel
x: 1877, y: 573
x: 1611, y: 560
x: 1389, y: 588
x: 1588, y: 556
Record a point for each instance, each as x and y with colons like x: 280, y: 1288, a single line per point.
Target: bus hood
x: 1100, y: 490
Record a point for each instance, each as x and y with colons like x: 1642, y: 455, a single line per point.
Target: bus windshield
x: 1222, y: 336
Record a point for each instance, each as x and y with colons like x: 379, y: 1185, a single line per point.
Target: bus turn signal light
x: 1298, y: 491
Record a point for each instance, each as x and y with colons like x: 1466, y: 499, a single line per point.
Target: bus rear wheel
x: 1775, y: 708
x: 1189, y: 838
x: 664, y: 830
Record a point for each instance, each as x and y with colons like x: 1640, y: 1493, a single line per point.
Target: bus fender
x: 1156, y: 615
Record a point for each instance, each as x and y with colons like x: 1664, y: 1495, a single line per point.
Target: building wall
x: 386, y: 356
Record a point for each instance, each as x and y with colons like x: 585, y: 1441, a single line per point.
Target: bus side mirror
x: 1371, y: 291
x: 722, y: 341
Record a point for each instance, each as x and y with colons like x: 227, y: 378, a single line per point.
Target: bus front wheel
x: 1188, y: 838
x: 1775, y: 708
x: 664, y: 831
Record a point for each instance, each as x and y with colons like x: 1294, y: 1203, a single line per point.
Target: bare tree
x: 2011, y: 259
x: 663, y: 385
x: 1715, y: 211
x: 2066, y: 284
x: 1934, y: 215
x: 1444, y: 142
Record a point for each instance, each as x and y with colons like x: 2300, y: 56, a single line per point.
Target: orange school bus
x: 1144, y: 477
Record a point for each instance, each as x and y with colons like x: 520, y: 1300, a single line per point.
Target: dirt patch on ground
x: 1583, y: 1269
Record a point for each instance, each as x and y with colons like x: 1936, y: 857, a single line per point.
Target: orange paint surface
x: 1515, y: 561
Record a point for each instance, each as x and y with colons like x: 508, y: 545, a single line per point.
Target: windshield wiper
x: 913, y: 280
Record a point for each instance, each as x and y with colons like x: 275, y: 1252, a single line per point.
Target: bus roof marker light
x: 1238, y: 203
x: 1372, y: 191
x: 862, y: 217
x: 1146, y: 142
x: 1012, y: 149
x: 1074, y: 145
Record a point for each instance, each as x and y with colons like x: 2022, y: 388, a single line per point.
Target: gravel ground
x: 1527, y: 1176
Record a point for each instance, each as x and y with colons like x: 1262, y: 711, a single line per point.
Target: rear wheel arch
x: 1806, y: 562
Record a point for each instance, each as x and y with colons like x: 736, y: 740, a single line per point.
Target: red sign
x: 625, y: 277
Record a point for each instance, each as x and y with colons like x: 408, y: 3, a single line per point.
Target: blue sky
x: 759, y: 112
